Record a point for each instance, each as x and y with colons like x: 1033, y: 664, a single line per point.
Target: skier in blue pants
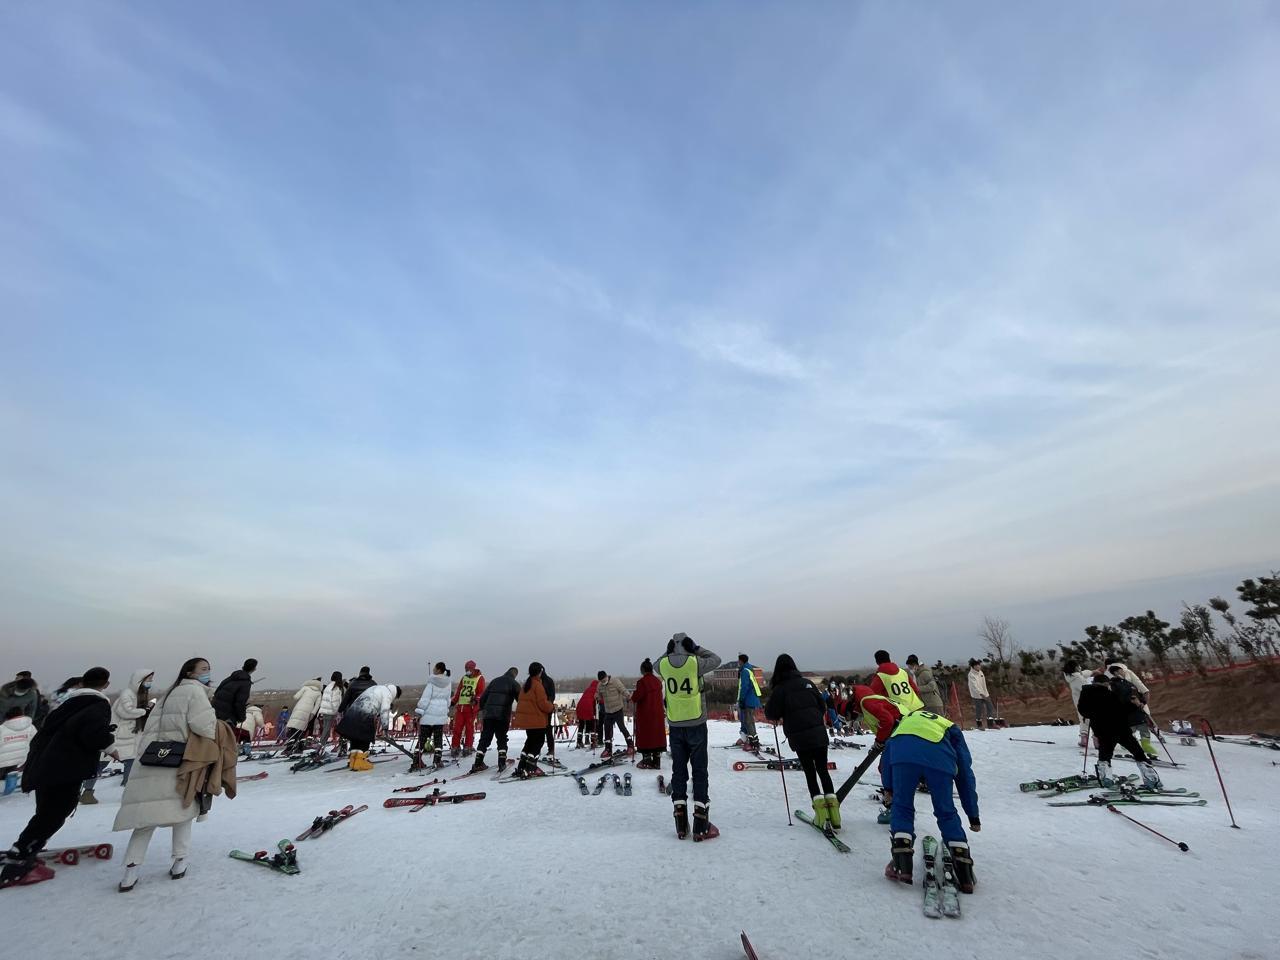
x: 925, y: 745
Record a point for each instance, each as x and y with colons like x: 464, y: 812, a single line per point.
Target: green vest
x: 682, y: 689
x: 923, y: 724
x: 898, y: 689
x: 869, y: 719
x: 754, y: 685
x: 467, y: 690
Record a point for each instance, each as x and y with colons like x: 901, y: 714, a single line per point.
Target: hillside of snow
x: 537, y: 870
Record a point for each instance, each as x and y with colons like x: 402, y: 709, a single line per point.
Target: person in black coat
x: 356, y: 687
x: 231, y: 699
x: 549, y: 687
x: 799, y: 705
x: 63, y: 753
x: 1109, y: 716
x: 496, y: 703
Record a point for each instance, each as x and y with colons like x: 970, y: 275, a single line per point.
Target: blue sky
x: 339, y: 334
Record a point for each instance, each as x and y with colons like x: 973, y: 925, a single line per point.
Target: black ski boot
x: 900, y: 868
x: 437, y: 761
x: 479, y: 763
x: 703, y: 828
x: 681, y: 810
x: 963, y: 861
x: 502, y: 759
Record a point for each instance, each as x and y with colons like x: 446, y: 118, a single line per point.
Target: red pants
x: 464, y: 724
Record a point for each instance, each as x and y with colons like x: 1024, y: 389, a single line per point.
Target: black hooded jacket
x: 67, y: 747
x: 1105, y: 711
x: 356, y: 687
x: 500, y: 694
x: 799, y: 705
x: 231, y: 699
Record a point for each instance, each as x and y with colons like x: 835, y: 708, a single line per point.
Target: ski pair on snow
x: 285, y: 860
x: 433, y: 799
x: 941, y: 894
x: 326, y: 823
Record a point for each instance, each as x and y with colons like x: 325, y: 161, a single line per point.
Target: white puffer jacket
x: 126, y: 712
x: 433, y: 705
x: 1131, y: 677
x: 253, y: 720
x: 978, y: 685
x: 306, y: 704
x: 331, y: 699
x: 15, y: 741
x: 151, y: 797
x: 375, y: 702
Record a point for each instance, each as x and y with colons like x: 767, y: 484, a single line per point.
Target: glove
x: 975, y: 824
x: 689, y: 645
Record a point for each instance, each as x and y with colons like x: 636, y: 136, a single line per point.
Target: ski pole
x: 1181, y: 846
x: 862, y: 768
x: 1207, y: 728
x: 1084, y: 770
x: 1017, y: 740
x: 782, y: 769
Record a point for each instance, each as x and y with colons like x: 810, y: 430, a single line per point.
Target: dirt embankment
x: 1244, y: 700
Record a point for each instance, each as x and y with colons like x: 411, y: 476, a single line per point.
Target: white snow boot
x: 1150, y: 779
x: 1102, y: 770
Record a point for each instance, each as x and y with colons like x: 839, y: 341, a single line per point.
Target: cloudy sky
x: 339, y: 334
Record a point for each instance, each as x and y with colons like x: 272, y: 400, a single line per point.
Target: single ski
x: 582, y: 785
x: 950, y: 889
x: 1102, y: 799
x: 432, y: 800
x: 662, y: 785
x: 600, y: 786
x: 626, y: 785
x: 831, y: 837
x: 285, y: 860
x: 70, y: 856
x: 932, y: 886
x: 790, y: 763
x: 420, y: 786
x: 617, y: 784
x: 253, y: 776
x: 750, y: 950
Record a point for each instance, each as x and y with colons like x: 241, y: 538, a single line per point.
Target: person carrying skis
x: 586, y: 710
x: 362, y: 720
x: 532, y: 710
x: 613, y: 697
x: 926, y: 685
x: 1108, y: 718
x: 63, y: 753
x: 895, y: 683
x: 651, y: 734
x: 433, y: 714
x: 795, y: 701
x: 748, y: 703
x: 495, y: 717
x: 925, y: 745
x: 470, y: 690
x: 232, y: 695
x: 683, y: 669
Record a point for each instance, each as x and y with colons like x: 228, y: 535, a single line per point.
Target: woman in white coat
x: 306, y: 707
x: 129, y: 714
x: 151, y: 799
x: 330, y: 704
x: 433, y: 712
x: 253, y: 722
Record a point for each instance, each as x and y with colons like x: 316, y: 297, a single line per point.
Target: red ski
x: 420, y: 786
x: 253, y: 776
x: 789, y: 764
x: 746, y: 945
x: 70, y: 856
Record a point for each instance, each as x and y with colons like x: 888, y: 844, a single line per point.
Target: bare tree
x: 997, y: 639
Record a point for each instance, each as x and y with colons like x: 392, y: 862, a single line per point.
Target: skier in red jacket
x: 587, y: 715
x: 896, y: 684
x: 879, y: 715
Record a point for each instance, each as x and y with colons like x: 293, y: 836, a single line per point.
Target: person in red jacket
x: 651, y: 727
x: 466, y: 699
x: 879, y: 715
x: 896, y: 684
x: 587, y: 715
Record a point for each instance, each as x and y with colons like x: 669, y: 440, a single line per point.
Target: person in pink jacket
x: 587, y: 715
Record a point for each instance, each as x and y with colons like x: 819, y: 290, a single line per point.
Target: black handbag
x: 163, y: 753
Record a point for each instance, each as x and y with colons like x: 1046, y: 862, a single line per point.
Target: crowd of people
x: 178, y: 748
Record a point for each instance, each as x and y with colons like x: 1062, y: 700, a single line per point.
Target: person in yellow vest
x: 926, y: 745
x: 748, y: 703
x: 896, y: 684
x: 682, y: 669
x: 465, y: 700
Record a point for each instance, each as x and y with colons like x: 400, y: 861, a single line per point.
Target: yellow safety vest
x: 923, y: 724
x: 682, y: 689
x: 755, y: 686
x: 898, y: 689
x: 869, y: 719
x: 467, y: 690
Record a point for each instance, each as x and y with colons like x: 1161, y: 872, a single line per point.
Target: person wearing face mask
x: 151, y: 798
x: 129, y: 714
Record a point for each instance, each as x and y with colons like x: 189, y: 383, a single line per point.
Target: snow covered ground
x: 538, y: 871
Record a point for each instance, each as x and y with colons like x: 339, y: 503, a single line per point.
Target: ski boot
x: 962, y: 859
x: 833, y: 810
x: 681, y: 812
x: 437, y: 760
x: 607, y: 752
x: 87, y: 798
x: 359, y: 760
x: 703, y: 828
x: 502, y: 759
x: 1150, y: 779
x: 883, y: 816
x: 646, y: 762
x: 753, y: 745
x: 528, y: 767
x: 1102, y: 770
x: 479, y: 763
x: 455, y: 753
x: 19, y: 869
x: 902, y: 846
x: 820, y: 816
x: 631, y: 747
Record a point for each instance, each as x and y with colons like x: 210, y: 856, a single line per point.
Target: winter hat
x: 470, y: 665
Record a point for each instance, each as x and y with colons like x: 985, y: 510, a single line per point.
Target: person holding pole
x: 798, y: 704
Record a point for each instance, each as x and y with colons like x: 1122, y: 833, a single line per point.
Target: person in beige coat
x: 306, y: 706
x: 253, y: 722
x: 151, y: 799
